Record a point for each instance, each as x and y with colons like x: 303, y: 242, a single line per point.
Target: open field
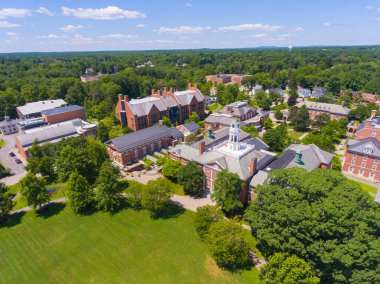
x: 60, y: 247
x: 2, y: 143
x: 366, y: 188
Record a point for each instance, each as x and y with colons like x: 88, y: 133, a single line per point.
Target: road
x: 17, y: 170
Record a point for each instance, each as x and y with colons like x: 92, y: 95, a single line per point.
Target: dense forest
x: 36, y: 76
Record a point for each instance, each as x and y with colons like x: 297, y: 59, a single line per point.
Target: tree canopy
x: 322, y: 218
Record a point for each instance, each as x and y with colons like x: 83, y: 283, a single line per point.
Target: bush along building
x: 138, y: 114
x: 244, y: 158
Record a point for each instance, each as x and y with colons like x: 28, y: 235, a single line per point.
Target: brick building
x: 368, y: 128
x: 361, y: 159
x: 65, y: 113
x: 177, y: 106
x: 225, y: 78
x: 336, y: 112
x: 34, y: 109
x: 134, y: 146
x: 241, y: 111
x: 243, y: 158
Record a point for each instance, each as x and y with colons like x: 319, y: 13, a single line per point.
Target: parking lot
x: 17, y: 170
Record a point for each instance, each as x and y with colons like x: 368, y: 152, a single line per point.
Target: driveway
x: 17, y: 170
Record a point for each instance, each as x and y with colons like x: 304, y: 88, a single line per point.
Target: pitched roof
x: 134, y: 139
x: 63, y: 109
x: 185, y: 97
x: 312, y: 158
x: 331, y: 108
x: 360, y: 146
x: 39, y: 106
x: 191, y: 126
x: 141, y: 107
x: 175, y: 133
x: 238, y: 109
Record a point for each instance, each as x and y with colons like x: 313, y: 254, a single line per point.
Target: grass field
x: 366, y: 188
x: 295, y: 134
x: 2, y: 143
x: 128, y: 247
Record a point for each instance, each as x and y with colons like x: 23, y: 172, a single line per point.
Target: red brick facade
x: 127, y: 117
x: 65, y: 116
x: 363, y: 166
x: 333, y: 116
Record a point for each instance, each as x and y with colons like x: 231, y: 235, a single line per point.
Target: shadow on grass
x: 50, y: 210
x: 172, y: 210
x: 13, y: 220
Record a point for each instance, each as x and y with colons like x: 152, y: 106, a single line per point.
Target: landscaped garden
x: 129, y: 246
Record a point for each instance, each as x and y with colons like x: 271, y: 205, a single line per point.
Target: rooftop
x: 368, y: 146
x: 63, y: 109
x: 39, y: 106
x: 331, y: 108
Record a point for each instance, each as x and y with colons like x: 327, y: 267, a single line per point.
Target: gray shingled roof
x: 191, y: 126
x: 175, y: 133
x: 47, y: 135
x: 358, y: 146
x: 331, y: 108
x: 238, y: 109
x: 185, y: 97
x: 312, y: 158
x: 185, y: 151
x: 141, y: 107
x: 134, y: 139
x: 64, y: 109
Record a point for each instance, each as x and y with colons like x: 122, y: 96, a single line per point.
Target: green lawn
x: 295, y: 134
x: 128, y: 247
x: 365, y: 187
x: 2, y: 143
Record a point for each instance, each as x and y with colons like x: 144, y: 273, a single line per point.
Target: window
x: 376, y: 161
x: 352, y: 162
x: 372, y: 174
x: 374, y: 167
x: 361, y: 172
x: 136, y: 152
x: 365, y: 158
x: 159, y: 145
x: 373, y: 134
x: 144, y: 150
x: 351, y: 169
x: 152, y: 148
x: 368, y: 149
x: 363, y: 165
x: 354, y: 156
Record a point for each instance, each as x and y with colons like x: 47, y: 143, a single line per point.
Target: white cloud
x: 11, y: 34
x: 327, y: 24
x: 45, y: 11
x: 71, y: 28
x: 251, y: 27
x: 257, y: 36
x: 117, y: 36
x: 141, y: 25
x: 5, y: 24
x: 297, y: 29
x: 182, y: 30
x: 13, y: 13
x: 188, y: 5
x: 107, y: 13
x: 53, y: 36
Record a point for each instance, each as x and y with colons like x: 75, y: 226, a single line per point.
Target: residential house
x: 34, y: 109
x: 318, y: 93
x: 361, y: 159
x: 370, y: 98
x: 303, y: 92
x: 90, y: 78
x: 276, y: 91
x: 255, y: 90
x: 138, y: 114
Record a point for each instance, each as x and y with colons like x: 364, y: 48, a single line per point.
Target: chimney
x: 153, y: 92
x: 373, y: 113
x: 195, y: 87
x: 342, y: 103
x: 164, y: 91
x: 171, y: 91
x: 120, y: 97
x: 126, y: 98
x: 174, y: 143
x: 189, y: 86
x: 201, y: 147
x: 253, y: 165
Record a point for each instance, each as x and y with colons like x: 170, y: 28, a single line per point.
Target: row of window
x: 364, y: 164
x: 361, y: 172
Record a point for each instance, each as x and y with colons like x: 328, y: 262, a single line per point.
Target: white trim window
x: 351, y: 169
x: 354, y: 155
x: 374, y: 167
x: 352, y: 162
x: 373, y: 134
x: 363, y: 165
x: 361, y: 172
x: 365, y: 158
x: 371, y: 175
x: 376, y: 161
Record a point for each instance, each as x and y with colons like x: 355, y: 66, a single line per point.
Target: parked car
x: 18, y: 161
x: 12, y: 154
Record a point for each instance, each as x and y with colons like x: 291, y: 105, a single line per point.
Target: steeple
x: 234, y: 138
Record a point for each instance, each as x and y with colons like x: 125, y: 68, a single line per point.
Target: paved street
x: 17, y: 170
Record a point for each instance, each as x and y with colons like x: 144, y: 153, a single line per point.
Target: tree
x: 336, y: 163
x: 251, y: 129
x: 191, y: 177
x: 205, y: 216
x: 156, y: 196
x: 301, y: 120
x: 170, y: 168
x: 79, y: 193
x: 34, y: 190
x: 262, y: 100
x: 268, y: 124
x: 287, y: 269
x: 166, y: 121
x: 227, y: 245
x: 134, y: 194
x: 6, y: 203
x: 321, y: 121
x: 102, y: 132
x: 277, y: 138
x: 319, y: 216
x: 322, y: 141
x: 279, y: 115
x: 108, y: 189
x: 193, y: 117
x: 227, y: 190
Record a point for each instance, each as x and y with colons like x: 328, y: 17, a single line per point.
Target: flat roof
x: 39, y: 106
x: 59, y: 110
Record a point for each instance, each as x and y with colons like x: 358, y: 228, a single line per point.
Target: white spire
x: 234, y: 138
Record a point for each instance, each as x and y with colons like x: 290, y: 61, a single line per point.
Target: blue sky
x: 48, y: 25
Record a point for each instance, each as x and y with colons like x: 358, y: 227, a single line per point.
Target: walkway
x: 30, y: 208
x: 303, y: 135
x: 364, y: 182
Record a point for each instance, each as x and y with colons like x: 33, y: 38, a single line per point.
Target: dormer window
x: 373, y: 134
x: 368, y: 149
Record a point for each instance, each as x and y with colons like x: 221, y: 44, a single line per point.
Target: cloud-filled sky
x: 47, y: 25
